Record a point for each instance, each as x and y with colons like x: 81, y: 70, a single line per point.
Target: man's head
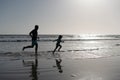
x: 36, y: 27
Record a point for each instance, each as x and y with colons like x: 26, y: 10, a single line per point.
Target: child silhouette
x: 58, y: 43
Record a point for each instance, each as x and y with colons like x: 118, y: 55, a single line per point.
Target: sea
x: 74, y: 46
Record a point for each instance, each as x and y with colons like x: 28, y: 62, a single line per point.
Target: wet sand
x: 58, y: 68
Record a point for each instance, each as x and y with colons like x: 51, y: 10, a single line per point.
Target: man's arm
x: 30, y: 34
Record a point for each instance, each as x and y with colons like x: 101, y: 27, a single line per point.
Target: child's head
x: 36, y: 27
x: 60, y: 36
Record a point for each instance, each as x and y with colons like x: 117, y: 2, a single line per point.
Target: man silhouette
x: 34, y: 35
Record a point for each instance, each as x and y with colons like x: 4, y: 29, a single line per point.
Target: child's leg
x: 55, y: 48
x: 59, y: 47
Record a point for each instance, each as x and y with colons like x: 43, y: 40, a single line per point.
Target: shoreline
x: 47, y: 69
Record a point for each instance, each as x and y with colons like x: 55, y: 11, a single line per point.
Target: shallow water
x: 75, y: 47
x: 89, y: 58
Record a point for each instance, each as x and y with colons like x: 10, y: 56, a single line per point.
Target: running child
x: 58, y: 43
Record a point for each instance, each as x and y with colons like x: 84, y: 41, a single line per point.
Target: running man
x: 34, y: 35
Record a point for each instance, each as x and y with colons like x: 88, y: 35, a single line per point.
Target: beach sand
x: 49, y: 67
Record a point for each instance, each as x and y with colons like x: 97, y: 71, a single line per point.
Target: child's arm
x: 54, y: 40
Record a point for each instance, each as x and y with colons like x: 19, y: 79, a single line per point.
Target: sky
x: 60, y: 16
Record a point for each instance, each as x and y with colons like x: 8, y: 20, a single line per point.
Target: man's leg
x: 36, y: 48
x: 31, y: 46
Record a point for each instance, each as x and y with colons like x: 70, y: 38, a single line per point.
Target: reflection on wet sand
x: 58, y: 61
x: 58, y: 64
x: 34, y: 65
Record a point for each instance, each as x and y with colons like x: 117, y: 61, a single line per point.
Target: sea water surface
x: 83, y: 57
x: 76, y: 46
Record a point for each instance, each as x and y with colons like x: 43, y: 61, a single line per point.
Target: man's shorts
x: 34, y: 42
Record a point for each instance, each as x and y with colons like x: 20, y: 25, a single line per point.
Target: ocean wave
x: 26, y: 38
x: 54, y: 39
